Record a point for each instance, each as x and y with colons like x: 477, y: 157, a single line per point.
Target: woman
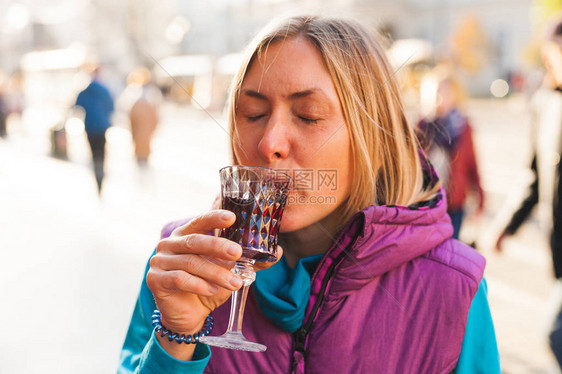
x: 447, y: 137
x: 368, y: 283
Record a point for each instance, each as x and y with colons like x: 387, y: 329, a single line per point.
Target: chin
x: 288, y: 224
x: 292, y: 219
x: 296, y: 217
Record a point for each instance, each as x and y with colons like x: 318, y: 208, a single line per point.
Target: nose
x: 274, y: 144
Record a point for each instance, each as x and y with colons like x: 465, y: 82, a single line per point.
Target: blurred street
x: 520, y: 280
x: 73, y: 262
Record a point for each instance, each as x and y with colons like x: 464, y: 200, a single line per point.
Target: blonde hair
x: 384, y: 147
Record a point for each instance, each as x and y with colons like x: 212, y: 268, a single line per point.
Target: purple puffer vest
x: 391, y: 296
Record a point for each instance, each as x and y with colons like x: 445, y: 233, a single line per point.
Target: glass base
x: 233, y: 340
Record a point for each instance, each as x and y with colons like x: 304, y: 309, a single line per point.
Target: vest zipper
x: 301, y: 334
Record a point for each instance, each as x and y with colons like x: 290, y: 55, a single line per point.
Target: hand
x: 190, y: 276
x: 499, y: 242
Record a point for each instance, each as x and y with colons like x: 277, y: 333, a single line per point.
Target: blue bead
x: 189, y: 339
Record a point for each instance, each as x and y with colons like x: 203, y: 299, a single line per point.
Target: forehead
x: 287, y: 64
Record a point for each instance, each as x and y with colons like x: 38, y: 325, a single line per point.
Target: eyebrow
x: 255, y: 94
x: 294, y: 95
x: 305, y: 93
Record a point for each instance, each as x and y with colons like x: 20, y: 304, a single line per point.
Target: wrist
x: 181, y: 352
x: 180, y: 338
x: 167, y: 325
x: 180, y: 346
x: 157, y: 359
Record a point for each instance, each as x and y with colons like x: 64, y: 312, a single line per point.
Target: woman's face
x: 289, y: 117
x: 445, y: 99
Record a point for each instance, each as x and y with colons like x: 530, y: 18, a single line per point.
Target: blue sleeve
x: 479, y: 352
x: 109, y: 101
x: 141, y: 351
x: 80, y: 99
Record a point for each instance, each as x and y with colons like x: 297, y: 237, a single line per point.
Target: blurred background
x: 74, y: 258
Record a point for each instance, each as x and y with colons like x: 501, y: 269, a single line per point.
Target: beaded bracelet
x: 189, y: 339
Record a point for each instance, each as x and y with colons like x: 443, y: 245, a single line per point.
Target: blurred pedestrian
x: 98, y: 106
x: 546, y: 189
x: 446, y: 135
x: 143, y: 113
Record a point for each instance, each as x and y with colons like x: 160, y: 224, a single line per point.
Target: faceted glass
x: 258, y: 197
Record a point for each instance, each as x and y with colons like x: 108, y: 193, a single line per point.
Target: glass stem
x: 245, y: 269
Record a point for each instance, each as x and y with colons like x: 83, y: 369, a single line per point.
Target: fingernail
x: 236, y: 281
x: 233, y: 250
x: 213, y: 288
x: 225, y: 216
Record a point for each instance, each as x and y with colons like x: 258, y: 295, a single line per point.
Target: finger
x: 223, y: 263
x: 200, y: 267
x: 165, y: 283
x: 200, y: 244
x: 266, y: 265
x: 207, y: 222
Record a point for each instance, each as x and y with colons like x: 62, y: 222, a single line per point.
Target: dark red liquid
x: 255, y: 228
x: 258, y: 256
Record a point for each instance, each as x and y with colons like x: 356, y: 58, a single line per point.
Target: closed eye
x: 255, y: 118
x: 308, y: 120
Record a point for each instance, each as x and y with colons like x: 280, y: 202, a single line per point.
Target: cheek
x: 245, y: 144
x: 336, y: 170
x: 344, y: 160
x: 345, y: 175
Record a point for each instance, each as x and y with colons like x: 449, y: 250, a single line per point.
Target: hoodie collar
x: 387, y: 237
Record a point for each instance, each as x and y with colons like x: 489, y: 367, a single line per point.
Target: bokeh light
x: 499, y: 88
